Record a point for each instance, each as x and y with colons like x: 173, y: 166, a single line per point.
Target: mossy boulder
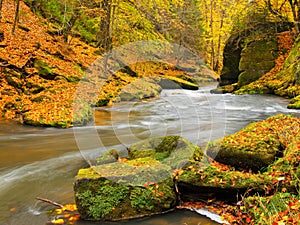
x: 288, y: 166
x: 174, y: 151
x: 257, y: 58
x: 99, y: 197
x: 142, y: 88
x: 295, y: 103
x: 256, y: 146
x: 231, y: 58
x: 203, y: 181
x: 250, y: 48
x: 224, y: 89
x: 286, y: 82
x: 169, y: 82
x: 44, y: 70
x: 138, y: 186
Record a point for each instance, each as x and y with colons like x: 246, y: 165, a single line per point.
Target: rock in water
x: 140, y: 186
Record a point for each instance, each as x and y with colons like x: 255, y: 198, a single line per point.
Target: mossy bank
x: 160, y: 172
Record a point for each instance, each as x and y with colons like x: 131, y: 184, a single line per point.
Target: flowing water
x: 42, y: 162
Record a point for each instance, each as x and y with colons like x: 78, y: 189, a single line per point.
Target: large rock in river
x: 142, y: 185
x: 140, y: 89
x: 256, y: 146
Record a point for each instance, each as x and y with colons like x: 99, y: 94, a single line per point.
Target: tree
x: 286, y: 10
x: 295, y: 6
x: 105, y: 31
x: 1, y: 2
x: 16, y: 20
x: 70, y: 24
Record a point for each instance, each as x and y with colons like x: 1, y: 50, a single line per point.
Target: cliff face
x: 283, y: 79
x: 270, y: 64
x: 257, y: 58
x: 248, y: 55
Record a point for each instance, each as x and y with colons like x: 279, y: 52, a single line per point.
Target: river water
x: 42, y: 162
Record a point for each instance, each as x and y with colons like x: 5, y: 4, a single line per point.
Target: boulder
x: 231, y: 59
x: 257, y: 58
x: 256, y: 146
x: 142, y: 88
x: 138, y: 186
x: 100, y: 197
x: 172, y: 151
x: 249, y: 50
x: 169, y: 82
x: 201, y: 181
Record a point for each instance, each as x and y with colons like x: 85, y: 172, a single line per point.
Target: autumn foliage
x: 40, y: 73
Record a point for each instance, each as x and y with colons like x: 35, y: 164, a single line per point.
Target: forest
x: 77, y: 63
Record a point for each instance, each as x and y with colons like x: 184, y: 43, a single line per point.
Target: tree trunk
x: 34, y: 6
x: 1, y: 1
x: 16, y: 21
x: 69, y: 25
x: 217, y: 65
x: 212, y: 44
x: 104, y: 35
x: 295, y: 16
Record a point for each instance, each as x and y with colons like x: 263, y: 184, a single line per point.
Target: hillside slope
x: 40, y: 73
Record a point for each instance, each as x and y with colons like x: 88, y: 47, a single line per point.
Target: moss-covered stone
x: 288, y: 166
x: 176, y: 83
x: 231, y: 59
x: 200, y: 180
x: 108, y: 157
x: 140, y: 185
x: 295, y: 103
x: 140, y: 89
x: 257, y: 58
x: 44, y: 70
x: 108, y: 192
x: 257, y: 145
x: 251, y: 48
x: 283, y: 79
x: 174, y: 151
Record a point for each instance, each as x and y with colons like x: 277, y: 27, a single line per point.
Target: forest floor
x: 40, y: 73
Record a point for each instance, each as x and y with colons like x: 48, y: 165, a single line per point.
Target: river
x: 42, y: 162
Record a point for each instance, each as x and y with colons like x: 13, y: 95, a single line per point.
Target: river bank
x: 40, y: 73
x: 261, y: 160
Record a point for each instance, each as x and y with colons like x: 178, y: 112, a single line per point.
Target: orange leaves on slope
x: 51, y: 104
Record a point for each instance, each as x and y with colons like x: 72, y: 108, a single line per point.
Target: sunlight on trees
x: 201, y: 26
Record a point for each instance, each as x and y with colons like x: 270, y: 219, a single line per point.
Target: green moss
x: 212, y: 176
x: 98, y: 198
x: 101, y: 198
x: 249, y: 76
x: 153, y: 146
x: 102, y: 102
x: 267, y: 209
x: 173, y: 151
x: 160, y: 195
x: 43, y: 69
x: 288, y: 165
x: 257, y: 145
x: 88, y: 173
